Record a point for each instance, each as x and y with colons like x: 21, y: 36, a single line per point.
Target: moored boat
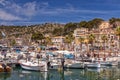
x: 34, y: 66
x: 93, y: 65
x: 74, y: 65
x: 109, y: 63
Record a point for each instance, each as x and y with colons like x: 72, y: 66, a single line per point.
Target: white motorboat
x: 54, y: 66
x: 109, y: 63
x: 74, y: 65
x: 34, y: 66
x: 93, y: 65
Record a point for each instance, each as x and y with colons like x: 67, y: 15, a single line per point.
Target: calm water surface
x: 110, y: 73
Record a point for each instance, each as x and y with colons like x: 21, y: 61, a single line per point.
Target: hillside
x: 19, y: 31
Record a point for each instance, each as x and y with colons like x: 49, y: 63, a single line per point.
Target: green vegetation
x: 13, y: 42
x: 37, y: 36
x: 58, y: 31
x: 91, y: 39
x: 113, y: 21
x: 69, y: 28
x: 35, y: 32
x: 69, y: 38
x: 48, y: 40
x: 81, y: 40
x: 118, y: 33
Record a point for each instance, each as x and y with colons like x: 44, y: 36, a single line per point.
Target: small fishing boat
x: 34, y: 66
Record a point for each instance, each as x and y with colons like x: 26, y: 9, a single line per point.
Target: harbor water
x: 109, y: 73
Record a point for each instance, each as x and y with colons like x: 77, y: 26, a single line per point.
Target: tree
x: 104, y: 38
x: 81, y: 40
x: 91, y: 39
x: 37, y: 36
x: 117, y: 32
x: 113, y: 21
x: 83, y: 24
x: 69, y: 38
x: 69, y: 28
x: 94, y: 23
x: 58, y: 31
x: 13, y: 42
x: 97, y: 22
x: 48, y: 40
x: 89, y: 25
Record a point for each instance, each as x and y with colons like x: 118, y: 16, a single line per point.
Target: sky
x: 27, y: 12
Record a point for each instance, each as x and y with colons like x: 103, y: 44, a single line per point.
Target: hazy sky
x: 23, y: 12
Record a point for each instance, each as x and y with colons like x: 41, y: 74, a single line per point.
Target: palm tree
x: 48, y: 40
x: 81, y: 40
x: 117, y: 32
x: 91, y: 39
x: 104, y: 38
x: 69, y: 39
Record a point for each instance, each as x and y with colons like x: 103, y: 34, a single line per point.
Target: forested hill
x: 18, y: 31
x: 53, y: 29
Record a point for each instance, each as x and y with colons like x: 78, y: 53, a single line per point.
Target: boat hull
x: 93, y: 65
x: 75, y: 66
x: 33, y: 67
x: 109, y: 63
x: 54, y: 67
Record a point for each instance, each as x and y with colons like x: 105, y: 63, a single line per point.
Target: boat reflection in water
x: 111, y: 73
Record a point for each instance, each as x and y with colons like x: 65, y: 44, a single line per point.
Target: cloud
x: 28, y: 9
x: 10, y: 10
x: 7, y: 16
x: 70, y: 10
x: 2, y: 2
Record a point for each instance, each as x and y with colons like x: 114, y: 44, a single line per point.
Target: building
x: 19, y: 41
x: 80, y: 32
x: 57, y: 40
x: 104, y: 24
